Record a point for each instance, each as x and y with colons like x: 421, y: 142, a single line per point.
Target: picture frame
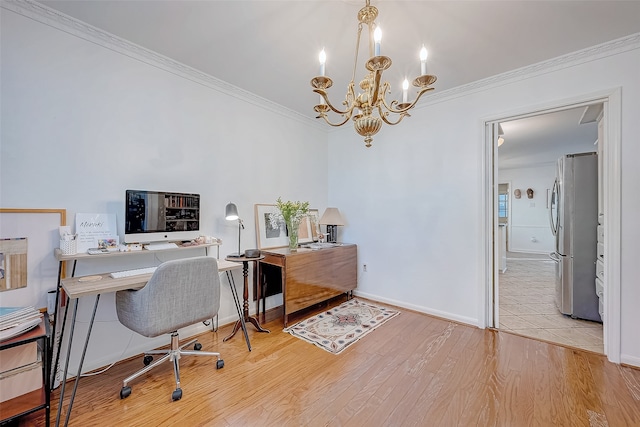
x: 266, y: 236
x: 40, y: 227
x: 305, y: 234
x: 309, y: 227
x: 269, y: 238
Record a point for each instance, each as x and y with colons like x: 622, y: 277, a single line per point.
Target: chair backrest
x: 180, y: 293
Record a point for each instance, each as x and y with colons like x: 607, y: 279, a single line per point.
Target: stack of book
x: 17, y: 320
x: 20, y: 365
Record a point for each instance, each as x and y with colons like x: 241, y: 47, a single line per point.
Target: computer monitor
x: 156, y: 216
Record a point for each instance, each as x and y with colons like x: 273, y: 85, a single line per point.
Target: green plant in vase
x: 292, y: 214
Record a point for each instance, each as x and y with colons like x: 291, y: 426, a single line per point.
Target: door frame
x: 611, y: 171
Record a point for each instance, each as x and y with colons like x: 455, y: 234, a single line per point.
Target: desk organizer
x: 69, y: 247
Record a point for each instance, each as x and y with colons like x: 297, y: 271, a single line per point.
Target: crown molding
x: 75, y: 27
x: 613, y: 47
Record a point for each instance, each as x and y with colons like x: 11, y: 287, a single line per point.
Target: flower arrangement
x: 291, y: 213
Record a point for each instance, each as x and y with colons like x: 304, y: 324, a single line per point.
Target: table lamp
x: 332, y: 219
x: 231, y: 214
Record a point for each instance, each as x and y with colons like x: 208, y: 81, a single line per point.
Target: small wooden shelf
x: 37, y: 399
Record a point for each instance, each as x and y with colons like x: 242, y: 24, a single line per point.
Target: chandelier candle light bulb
x: 377, y: 38
x: 423, y: 61
x: 405, y: 88
x: 323, y: 59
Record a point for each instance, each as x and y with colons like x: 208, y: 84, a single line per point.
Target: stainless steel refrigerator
x: 574, y: 221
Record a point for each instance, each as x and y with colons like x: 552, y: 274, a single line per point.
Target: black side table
x: 245, y: 295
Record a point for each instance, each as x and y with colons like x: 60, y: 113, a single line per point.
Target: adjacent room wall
x: 82, y: 123
x: 529, y: 229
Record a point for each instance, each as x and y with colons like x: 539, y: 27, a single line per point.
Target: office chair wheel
x: 220, y: 364
x: 125, y: 392
x: 177, y: 394
x: 147, y: 360
x: 197, y: 346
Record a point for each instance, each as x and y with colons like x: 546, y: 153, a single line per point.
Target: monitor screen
x: 152, y: 216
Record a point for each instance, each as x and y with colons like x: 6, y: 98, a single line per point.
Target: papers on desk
x: 316, y: 246
x: 17, y: 320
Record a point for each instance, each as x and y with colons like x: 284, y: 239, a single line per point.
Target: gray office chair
x: 180, y: 293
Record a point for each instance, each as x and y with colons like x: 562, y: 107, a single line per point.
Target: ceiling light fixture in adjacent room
x: 370, y: 108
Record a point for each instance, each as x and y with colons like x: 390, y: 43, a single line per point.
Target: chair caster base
x: 177, y: 394
x: 125, y: 392
x: 220, y: 364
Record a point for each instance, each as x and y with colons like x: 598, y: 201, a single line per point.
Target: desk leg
x: 66, y: 367
x: 232, y: 284
x: 54, y: 338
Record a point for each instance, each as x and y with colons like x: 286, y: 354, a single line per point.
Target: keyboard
x: 160, y: 246
x: 134, y: 272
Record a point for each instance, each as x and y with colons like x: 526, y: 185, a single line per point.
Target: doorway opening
x: 527, y: 249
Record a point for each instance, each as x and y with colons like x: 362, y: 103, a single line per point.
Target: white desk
x: 77, y: 287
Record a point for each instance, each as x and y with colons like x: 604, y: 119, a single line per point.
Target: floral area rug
x: 338, y: 328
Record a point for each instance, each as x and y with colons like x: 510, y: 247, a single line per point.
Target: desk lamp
x: 231, y: 214
x: 332, y: 219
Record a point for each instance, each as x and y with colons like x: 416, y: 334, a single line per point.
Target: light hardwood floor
x: 413, y: 370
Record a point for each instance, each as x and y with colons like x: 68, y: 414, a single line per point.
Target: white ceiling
x: 541, y: 139
x: 270, y: 48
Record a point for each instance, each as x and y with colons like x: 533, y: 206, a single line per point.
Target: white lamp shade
x: 331, y: 216
x: 231, y: 212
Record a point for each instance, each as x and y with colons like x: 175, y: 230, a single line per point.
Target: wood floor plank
x: 413, y: 370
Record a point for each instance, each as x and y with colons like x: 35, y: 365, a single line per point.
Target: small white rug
x: 336, y: 329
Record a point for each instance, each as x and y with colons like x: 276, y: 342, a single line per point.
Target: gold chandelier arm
x: 404, y: 107
x: 323, y: 114
x: 328, y: 103
x: 384, y: 114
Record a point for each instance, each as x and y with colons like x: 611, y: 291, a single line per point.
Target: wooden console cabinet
x: 311, y: 276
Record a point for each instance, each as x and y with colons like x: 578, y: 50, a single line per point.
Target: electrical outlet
x: 364, y: 267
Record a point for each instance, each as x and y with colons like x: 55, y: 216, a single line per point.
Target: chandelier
x: 370, y: 107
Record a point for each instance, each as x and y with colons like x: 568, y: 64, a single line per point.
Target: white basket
x: 68, y: 247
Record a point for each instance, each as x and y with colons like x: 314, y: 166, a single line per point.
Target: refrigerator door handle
x: 553, y: 208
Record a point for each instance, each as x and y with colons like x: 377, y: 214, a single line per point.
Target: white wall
x: 82, y: 123
x: 529, y: 229
x: 414, y: 201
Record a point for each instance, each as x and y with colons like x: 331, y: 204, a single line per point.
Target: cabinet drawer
x: 601, y: 309
x: 600, y: 251
x: 600, y: 288
x: 600, y: 269
x: 600, y: 293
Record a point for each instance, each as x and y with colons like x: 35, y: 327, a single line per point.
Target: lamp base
x: 332, y: 233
